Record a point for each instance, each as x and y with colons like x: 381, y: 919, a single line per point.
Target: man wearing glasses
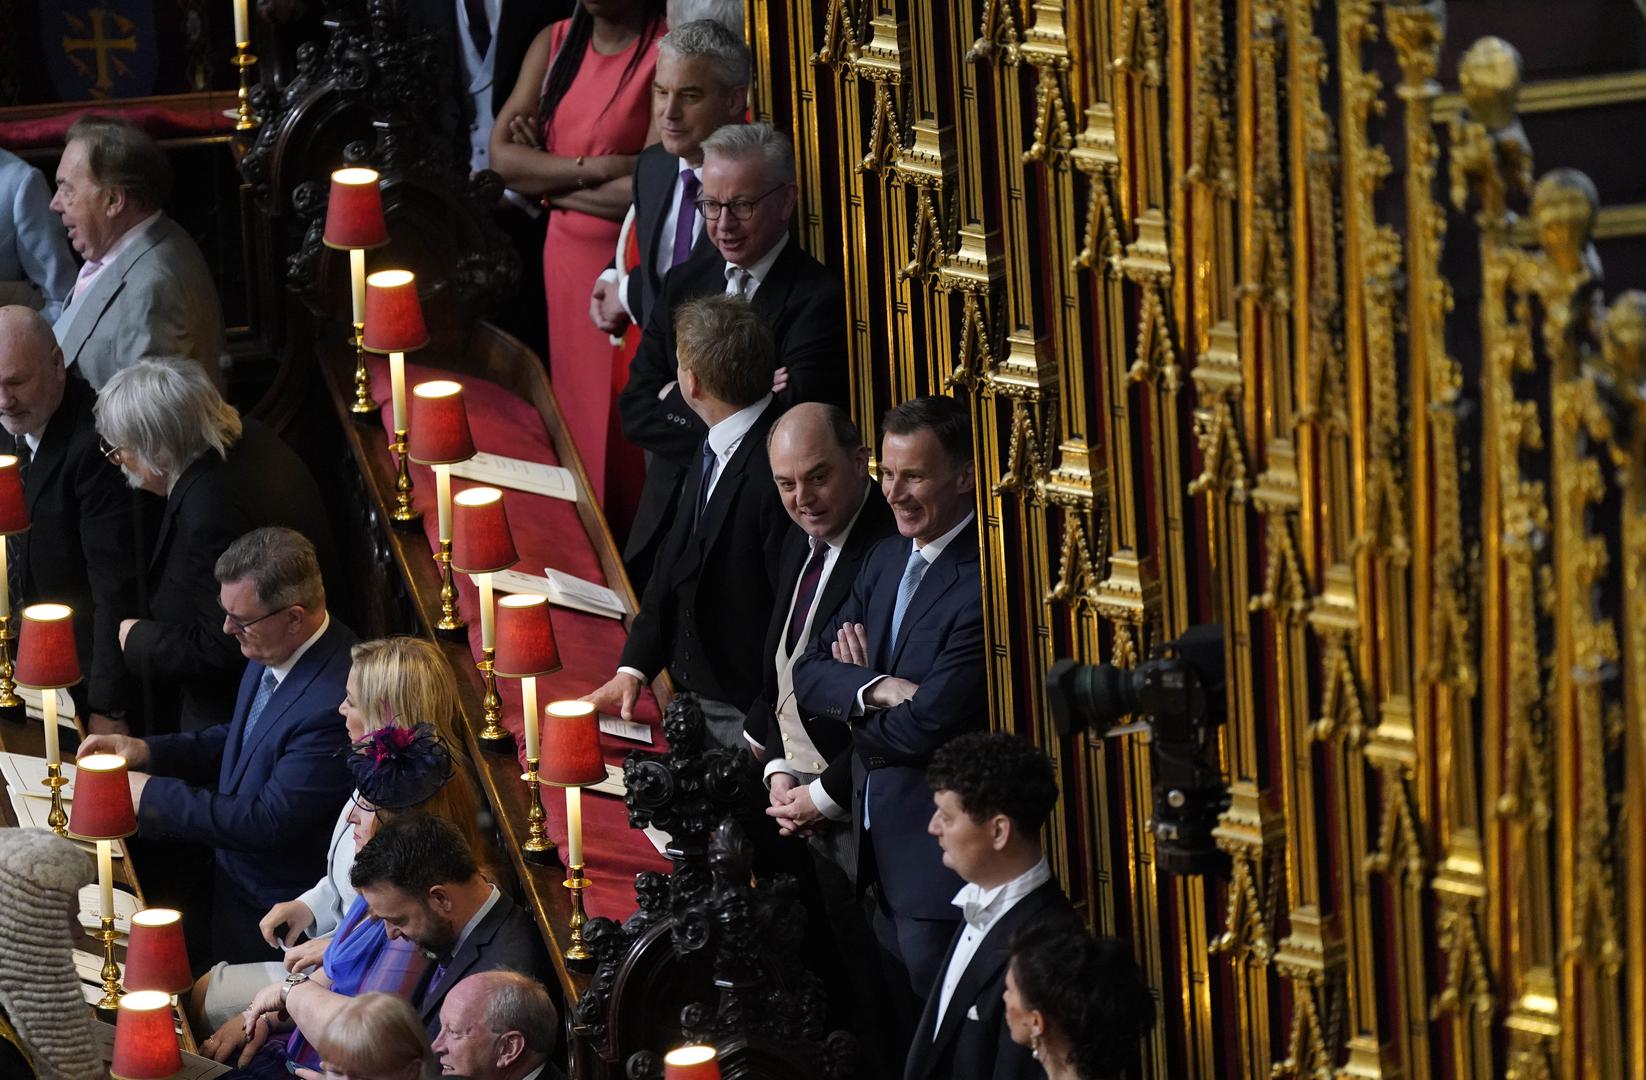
x: 262, y: 786
x: 747, y: 202
x: 85, y: 533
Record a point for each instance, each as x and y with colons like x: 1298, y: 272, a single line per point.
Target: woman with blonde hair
x: 396, y: 681
x: 377, y: 1036
x: 397, y: 771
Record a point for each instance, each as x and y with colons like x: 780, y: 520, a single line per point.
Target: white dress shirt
x: 983, y: 908
x: 663, y: 257
x: 724, y: 439
x: 756, y: 273
x: 282, y: 670
x: 474, y: 920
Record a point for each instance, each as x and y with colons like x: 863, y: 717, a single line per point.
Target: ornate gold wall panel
x: 1185, y: 260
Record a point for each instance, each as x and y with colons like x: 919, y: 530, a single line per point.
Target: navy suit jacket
x: 267, y: 808
x: 973, y: 1042
x: 506, y: 939
x: 940, y: 647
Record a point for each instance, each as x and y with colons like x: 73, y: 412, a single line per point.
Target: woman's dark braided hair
x: 1090, y: 989
x: 565, y: 63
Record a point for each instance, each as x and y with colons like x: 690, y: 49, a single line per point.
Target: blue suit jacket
x: 267, y: 807
x: 940, y: 647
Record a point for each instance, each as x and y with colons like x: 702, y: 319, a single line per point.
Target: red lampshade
x: 354, y: 211
x: 691, y: 1063
x: 525, y: 638
x: 571, y: 748
x: 439, y: 424
x: 102, y: 808
x: 46, y: 656
x: 14, y: 513
x: 481, y: 541
x: 394, y: 315
x: 145, y: 1043
x: 156, y: 958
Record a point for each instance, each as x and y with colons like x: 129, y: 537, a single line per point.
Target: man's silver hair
x: 728, y: 13
x: 744, y: 141
x: 166, y: 412
x: 709, y: 38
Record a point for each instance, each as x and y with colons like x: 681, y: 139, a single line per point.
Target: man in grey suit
x: 144, y: 290
x: 36, y: 268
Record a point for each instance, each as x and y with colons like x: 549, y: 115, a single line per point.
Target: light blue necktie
x: 912, y: 573
x: 265, y: 690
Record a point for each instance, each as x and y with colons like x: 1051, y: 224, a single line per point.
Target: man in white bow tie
x: 994, y: 792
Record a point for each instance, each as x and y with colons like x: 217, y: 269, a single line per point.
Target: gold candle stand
x: 111, y: 971
x: 493, y: 736
x: 364, y: 408
x: 450, y: 621
x: 538, y: 848
x: 246, y: 120
x: 56, y: 818
x: 8, y: 687
x: 577, y: 953
x: 403, y: 516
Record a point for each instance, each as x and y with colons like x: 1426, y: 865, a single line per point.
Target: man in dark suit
x: 84, y: 538
x: 902, y: 662
x: 747, y: 202
x: 704, y: 611
x: 418, y: 876
x: 993, y: 794
x: 820, y: 467
x: 262, y: 787
x: 702, y: 84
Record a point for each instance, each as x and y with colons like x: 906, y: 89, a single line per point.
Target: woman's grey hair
x: 728, y: 13
x: 121, y: 155
x: 744, y: 141
x: 517, y: 1003
x: 280, y: 562
x: 166, y: 412
x: 710, y: 39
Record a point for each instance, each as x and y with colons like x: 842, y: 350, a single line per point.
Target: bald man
x: 498, y: 1025
x: 82, y: 547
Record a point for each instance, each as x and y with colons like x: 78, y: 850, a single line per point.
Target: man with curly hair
x: 994, y: 792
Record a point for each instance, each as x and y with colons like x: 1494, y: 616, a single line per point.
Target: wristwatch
x: 296, y: 978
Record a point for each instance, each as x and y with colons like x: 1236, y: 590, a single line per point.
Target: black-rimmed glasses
x: 742, y: 209
x: 244, y: 626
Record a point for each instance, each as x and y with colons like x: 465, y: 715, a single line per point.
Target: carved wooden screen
x: 1185, y: 261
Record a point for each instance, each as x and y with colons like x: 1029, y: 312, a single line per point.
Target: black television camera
x: 1178, y: 697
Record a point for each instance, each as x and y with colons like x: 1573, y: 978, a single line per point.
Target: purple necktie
x: 684, y: 233
x: 480, y: 30
x: 806, y: 590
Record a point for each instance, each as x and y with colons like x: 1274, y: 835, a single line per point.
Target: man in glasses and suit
x: 85, y: 535
x: 262, y: 786
x: 748, y: 199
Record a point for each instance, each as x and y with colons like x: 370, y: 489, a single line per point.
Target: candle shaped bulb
x: 443, y: 499
x: 242, y: 31
x: 574, y: 826
x: 528, y: 694
x: 397, y: 387
x: 105, y: 875
x: 488, y: 617
x: 48, y: 705
x: 357, y: 283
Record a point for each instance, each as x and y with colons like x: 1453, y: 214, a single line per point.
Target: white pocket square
x: 971, y: 1013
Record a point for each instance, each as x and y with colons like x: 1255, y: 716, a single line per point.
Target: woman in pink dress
x: 568, y: 134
